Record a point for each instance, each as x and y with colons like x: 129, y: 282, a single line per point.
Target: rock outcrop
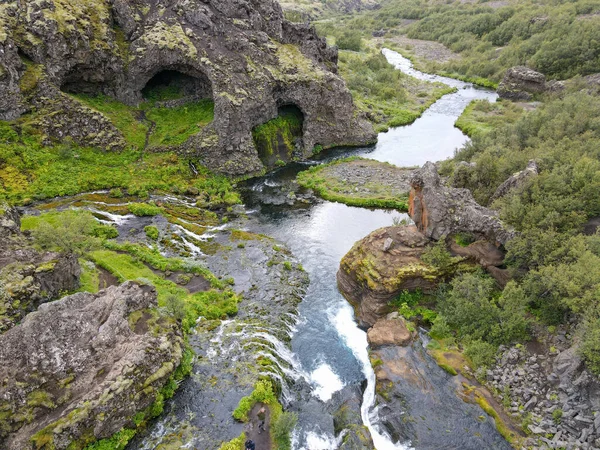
x: 241, y: 53
x: 80, y: 368
x: 521, y: 83
x: 28, y: 277
x: 516, y: 180
x: 371, y: 276
x: 439, y: 211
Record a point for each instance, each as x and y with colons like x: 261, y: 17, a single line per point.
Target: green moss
x: 40, y: 398
x: 274, y: 139
x: 235, y: 444
x: 151, y: 232
x: 144, y: 209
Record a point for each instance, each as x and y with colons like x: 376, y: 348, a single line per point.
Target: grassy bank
x: 482, y: 116
x: 330, y: 184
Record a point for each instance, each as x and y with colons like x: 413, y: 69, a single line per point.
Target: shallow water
x: 328, y: 344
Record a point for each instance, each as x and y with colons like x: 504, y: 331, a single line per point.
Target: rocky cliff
x: 80, y: 368
x: 28, y: 277
x: 240, y: 53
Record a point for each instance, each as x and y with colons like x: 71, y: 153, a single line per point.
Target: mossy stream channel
x: 303, y: 334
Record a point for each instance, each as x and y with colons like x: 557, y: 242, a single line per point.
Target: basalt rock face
x: 242, y: 53
x: 370, y: 277
x: 440, y: 211
x: 28, y: 277
x: 80, y: 368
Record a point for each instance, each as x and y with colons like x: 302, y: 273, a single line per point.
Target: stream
x: 304, y: 334
x: 327, y: 342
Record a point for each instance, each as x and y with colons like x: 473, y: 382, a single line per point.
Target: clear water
x: 327, y: 343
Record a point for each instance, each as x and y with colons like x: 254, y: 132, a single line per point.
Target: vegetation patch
x: 482, y: 116
x: 388, y: 97
x: 359, y: 182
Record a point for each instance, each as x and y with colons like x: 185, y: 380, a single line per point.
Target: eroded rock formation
x: 80, y: 368
x: 370, y: 277
x: 440, y: 211
x: 28, y: 277
x: 242, y: 54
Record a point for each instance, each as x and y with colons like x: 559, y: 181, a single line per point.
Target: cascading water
x: 328, y: 344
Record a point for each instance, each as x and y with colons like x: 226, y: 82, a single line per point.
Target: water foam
x: 356, y: 340
x: 325, y: 382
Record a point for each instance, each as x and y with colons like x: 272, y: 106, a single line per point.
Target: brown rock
x: 370, y: 277
x: 520, y: 83
x: 388, y: 332
x: 516, y: 180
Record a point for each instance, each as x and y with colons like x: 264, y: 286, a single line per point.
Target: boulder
x: 78, y: 369
x: 520, y: 83
x: 388, y: 331
x: 370, y: 277
x: 439, y: 211
x: 242, y: 54
x: 516, y: 180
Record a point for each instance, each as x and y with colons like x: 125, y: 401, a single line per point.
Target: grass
x: 482, y: 116
x: 329, y: 187
x: 31, y: 171
x: 175, y: 125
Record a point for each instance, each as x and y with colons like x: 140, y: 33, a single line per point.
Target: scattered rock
x: 80, y: 368
x: 388, y: 244
x: 439, y: 211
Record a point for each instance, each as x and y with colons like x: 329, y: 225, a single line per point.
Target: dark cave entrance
x: 172, y: 87
x: 83, y: 80
x: 279, y: 140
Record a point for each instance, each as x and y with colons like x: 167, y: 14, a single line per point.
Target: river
x: 328, y: 344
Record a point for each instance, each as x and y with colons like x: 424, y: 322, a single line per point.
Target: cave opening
x: 172, y: 87
x: 83, y: 80
x: 279, y: 140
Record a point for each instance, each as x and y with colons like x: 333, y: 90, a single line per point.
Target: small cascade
x: 356, y: 340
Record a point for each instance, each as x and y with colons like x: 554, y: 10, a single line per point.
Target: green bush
x: 68, y: 231
x: 263, y: 392
x: 349, y: 40
x: 281, y: 430
x: 481, y: 354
